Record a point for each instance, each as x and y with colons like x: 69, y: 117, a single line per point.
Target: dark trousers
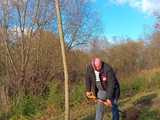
x: 100, y: 107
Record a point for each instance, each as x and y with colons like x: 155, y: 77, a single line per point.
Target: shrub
x: 77, y: 93
x: 56, y: 95
x: 27, y: 107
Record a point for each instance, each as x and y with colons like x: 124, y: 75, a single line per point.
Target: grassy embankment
x: 140, y: 100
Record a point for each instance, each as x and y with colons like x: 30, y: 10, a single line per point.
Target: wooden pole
x: 61, y: 36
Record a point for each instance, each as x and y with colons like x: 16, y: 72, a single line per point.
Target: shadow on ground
x: 90, y: 117
x: 140, y: 106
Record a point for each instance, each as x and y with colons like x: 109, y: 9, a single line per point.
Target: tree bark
x: 60, y: 30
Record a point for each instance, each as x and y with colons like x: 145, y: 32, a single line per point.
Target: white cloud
x: 146, y: 6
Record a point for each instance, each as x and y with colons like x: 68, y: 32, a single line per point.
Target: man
x: 101, y: 82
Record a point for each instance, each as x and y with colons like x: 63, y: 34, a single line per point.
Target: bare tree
x: 60, y: 30
x: 79, y: 24
x: 21, y: 22
x: 157, y: 23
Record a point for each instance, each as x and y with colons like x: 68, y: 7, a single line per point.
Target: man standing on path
x: 101, y: 82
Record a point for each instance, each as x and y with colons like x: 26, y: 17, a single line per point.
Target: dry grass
x: 132, y: 105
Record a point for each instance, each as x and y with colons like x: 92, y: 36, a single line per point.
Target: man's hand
x: 108, y: 103
x: 90, y: 95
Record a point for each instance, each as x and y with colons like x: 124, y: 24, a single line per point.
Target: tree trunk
x: 60, y: 30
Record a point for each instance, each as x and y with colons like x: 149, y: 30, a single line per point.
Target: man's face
x: 98, y: 64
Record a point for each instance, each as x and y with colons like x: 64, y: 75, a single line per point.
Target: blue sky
x: 124, y: 18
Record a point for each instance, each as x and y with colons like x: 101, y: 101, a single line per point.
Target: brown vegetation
x: 30, y: 55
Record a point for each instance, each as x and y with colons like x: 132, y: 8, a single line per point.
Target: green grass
x: 147, y: 114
